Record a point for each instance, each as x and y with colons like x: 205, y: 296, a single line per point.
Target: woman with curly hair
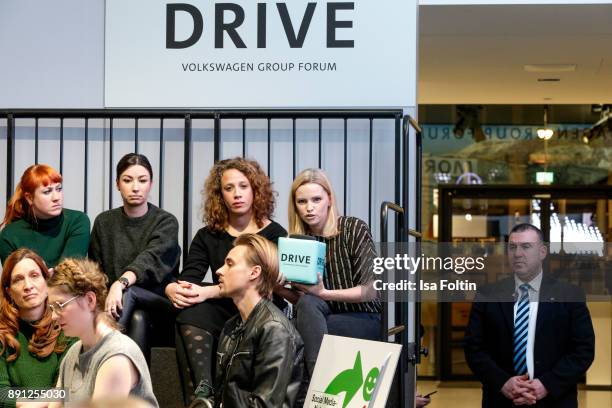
x: 104, y: 362
x: 31, y: 344
x: 238, y: 199
x: 35, y: 218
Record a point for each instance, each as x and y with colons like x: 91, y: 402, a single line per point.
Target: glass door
x: 569, y: 218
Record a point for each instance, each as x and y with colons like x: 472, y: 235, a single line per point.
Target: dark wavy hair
x: 44, y: 341
x: 216, y: 213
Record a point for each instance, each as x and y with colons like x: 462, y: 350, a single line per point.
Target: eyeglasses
x: 58, y: 307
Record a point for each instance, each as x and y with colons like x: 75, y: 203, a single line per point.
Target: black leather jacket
x: 260, y: 361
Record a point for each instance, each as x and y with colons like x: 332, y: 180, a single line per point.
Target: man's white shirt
x: 534, y: 295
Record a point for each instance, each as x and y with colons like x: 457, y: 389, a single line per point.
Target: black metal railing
x: 403, y: 125
x: 403, y: 395
x: 187, y: 116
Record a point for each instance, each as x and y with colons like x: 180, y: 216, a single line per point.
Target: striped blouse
x: 348, y: 263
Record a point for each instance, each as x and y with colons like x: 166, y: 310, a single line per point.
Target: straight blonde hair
x: 296, y: 224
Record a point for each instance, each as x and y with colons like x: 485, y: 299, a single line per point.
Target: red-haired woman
x: 35, y: 218
x: 31, y: 345
x: 238, y: 199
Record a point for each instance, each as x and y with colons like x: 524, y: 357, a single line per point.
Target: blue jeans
x: 315, y: 318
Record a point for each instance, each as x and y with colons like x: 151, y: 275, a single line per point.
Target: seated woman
x: 31, y: 344
x: 344, y: 302
x: 137, y: 247
x: 238, y: 199
x: 35, y: 219
x: 103, y: 363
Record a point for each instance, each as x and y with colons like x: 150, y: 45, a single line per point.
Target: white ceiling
x: 476, y: 54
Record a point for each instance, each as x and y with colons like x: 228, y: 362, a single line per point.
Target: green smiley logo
x: 350, y: 380
x: 370, y: 383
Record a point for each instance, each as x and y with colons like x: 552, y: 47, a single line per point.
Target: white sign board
x: 260, y: 54
x: 352, y: 373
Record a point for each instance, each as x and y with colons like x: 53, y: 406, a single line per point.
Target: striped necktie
x: 521, y: 331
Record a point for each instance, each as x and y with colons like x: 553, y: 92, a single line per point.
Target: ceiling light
x: 550, y: 67
x: 545, y: 133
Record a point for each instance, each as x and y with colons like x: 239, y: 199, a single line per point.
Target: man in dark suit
x: 530, y: 338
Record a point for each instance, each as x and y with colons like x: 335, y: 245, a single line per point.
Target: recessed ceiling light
x: 550, y: 67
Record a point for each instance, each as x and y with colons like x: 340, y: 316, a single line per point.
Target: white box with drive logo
x: 301, y: 259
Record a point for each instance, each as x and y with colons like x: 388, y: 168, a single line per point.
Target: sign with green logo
x: 352, y: 373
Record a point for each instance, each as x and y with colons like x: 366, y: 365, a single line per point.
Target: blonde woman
x: 343, y: 302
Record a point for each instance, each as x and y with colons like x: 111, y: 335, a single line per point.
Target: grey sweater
x: 147, y: 246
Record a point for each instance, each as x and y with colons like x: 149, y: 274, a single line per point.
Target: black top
x: 209, y: 249
x: 260, y: 361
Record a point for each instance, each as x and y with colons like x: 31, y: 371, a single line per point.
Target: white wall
x: 507, y: 2
x: 52, y: 54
